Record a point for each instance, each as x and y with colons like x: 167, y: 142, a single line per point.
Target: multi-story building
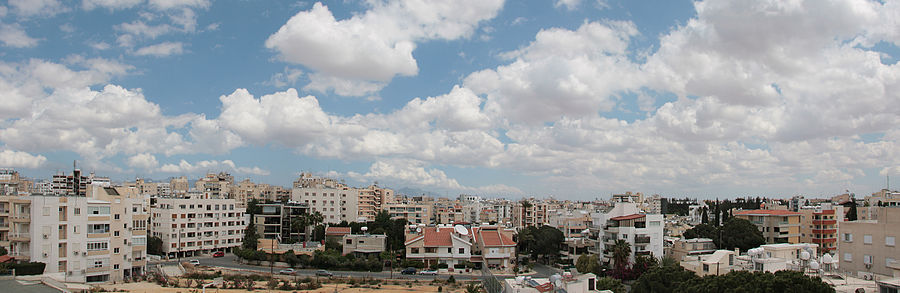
x: 644, y: 233
x: 776, y: 257
x: 413, y: 213
x: 449, y: 214
x: 869, y: 246
x: 372, y: 200
x: 719, y: 262
x: 216, y: 185
x: 277, y: 219
x: 777, y: 226
x: 70, y: 185
x: 493, y: 247
x: 628, y: 196
x: 819, y: 225
x: 440, y: 245
x: 575, y: 227
x: 191, y: 226
x: 686, y: 249
x: 530, y: 213
x: 9, y: 182
x: 15, y: 226
x: 98, y: 238
x: 334, y: 200
x: 179, y: 186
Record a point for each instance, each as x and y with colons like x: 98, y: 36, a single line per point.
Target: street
x: 230, y: 261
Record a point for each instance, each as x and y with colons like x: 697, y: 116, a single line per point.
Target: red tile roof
x: 337, y: 230
x: 5, y: 258
x: 628, y: 217
x: 438, y: 237
x: 768, y: 213
x: 491, y: 237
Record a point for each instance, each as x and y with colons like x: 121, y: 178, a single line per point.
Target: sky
x: 574, y: 99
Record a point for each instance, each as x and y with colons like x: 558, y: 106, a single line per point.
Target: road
x: 230, y: 261
x: 545, y: 271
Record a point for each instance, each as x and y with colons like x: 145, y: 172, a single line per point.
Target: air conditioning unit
x: 868, y: 266
x: 45, y: 254
x: 46, y: 236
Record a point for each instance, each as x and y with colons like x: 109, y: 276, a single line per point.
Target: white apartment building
x: 334, y: 200
x: 97, y: 238
x: 867, y: 248
x: 642, y: 231
x: 413, y: 213
x: 192, y: 226
x: 372, y: 200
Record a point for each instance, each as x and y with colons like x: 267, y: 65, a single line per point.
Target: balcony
x: 645, y: 252
x: 23, y: 217
x: 824, y: 231
x: 19, y: 237
x: 824, y: 240
x: 824, y: 222
x: 4, y: 226
x: 642, y: 239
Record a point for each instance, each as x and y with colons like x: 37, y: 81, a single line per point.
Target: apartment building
x: 440, y: 245
x: 413, y: 213
x: 70, y: 185
x: 191, y: 226
x: 819, y: 225
x: 372, y: 200
x: 179, y: 186
x: 869, y: 246
x: 530, y: 213
x: 719, y: 262
x: 575, y: 225
x: 686, y: 249
x: 643, y: 232
x: 98, y: 238
x: 776, y: 257
x: 449, y: 214
x: 777, y: 226
x: 216, y: 186
x: 334, y: 200
x: 15, y: 226
x: 277, y: 219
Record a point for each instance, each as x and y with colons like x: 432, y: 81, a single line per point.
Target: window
x: 848, y: 237
x: 887, y: 261
x: 867, y: 259
x: 116, y: 233
x: 141, y: 240
x: 889, y: 240
x: 430, y: 249
x: 349, y: 241
x: 705, y: 267
x: 449, y: 250
x: 100, y: 245
x: 848, y: 256
x: 98, y: 228
x: 116, y: 216
x: 77, y: 211
x: 867, y: 239
x: 116, y: 267
x: 99, y: 263
x: 98, y: 210
x: 462, y: 250
x: 116, y: 250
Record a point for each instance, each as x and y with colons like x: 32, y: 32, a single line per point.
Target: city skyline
x: 571, y: 99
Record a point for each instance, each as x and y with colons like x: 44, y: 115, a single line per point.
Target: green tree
x: 611, y: 284
x: 290, y: 258
x: 701, y: 231
x: 704, y: 216
x: 474, y: 287
x: 315, y: 219
x: 851, y: 213
x: 621, y: 250
x: 250, y: 237
x: 744, y: 281
x: 740, y: 233
x: 154, y: 245
x: 3, y: 251
x: 663, y: 278
x: 588, y: 263
x: 253, y: 207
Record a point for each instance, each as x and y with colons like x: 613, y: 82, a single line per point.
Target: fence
x: 490, y: 282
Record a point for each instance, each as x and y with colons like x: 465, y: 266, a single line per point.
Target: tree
x: 250, y: 237
x: 851, y: 213
x: 588, y: 264
x: 3, y: 251
x: 740, y: 233
x: 701, y: 231
x: 744, y: 281
x: 663, y: 278
x: 291, y: 258
x: 704, y: 216
x: 154, y: 245
x: 474, y: 287
x: 314, y: 219
x: 621, y: 250
x: 611, y: 284
x: 253, y: 207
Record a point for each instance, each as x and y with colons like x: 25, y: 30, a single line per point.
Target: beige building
x: 869, y: 246
x: 530, y: 213
x: 777, y: 226
x: 15, y: 226
x: 179, y: 186
x: 372, y: 200
x: 686, y: 249
x: 192, y: 226
x: 439, y: 245
x: 334, y: 200
x: 719, y: 262
x: 449, y: 214
x: 362, y: 245
x: 494, y: 247
x: 413, y: 213
x: 820, y: 225
x: 215, y: 186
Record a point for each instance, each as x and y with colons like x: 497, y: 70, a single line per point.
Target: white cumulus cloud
x: 17, y: 159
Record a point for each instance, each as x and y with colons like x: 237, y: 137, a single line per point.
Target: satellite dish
x: 364, y: 229
x: 461, y: 230
x: 419, y: 230
x: 804, y: 255
x: 826, y: 259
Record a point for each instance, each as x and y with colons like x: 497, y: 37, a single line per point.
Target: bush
x: 27, y: 268
x: 451, y: 280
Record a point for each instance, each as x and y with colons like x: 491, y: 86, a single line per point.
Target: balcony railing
x: 642, y: 239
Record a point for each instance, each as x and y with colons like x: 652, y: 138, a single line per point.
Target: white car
x: 195, y: 262
x: 428, y: 272
x: 286, y: 272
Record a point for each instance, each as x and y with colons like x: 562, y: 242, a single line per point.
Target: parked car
x: 428, y: 272
x: 219, y: 254
x: 286, y: 272
x: 408, y: 271
x: 195, y: 262
x: 324, y: 273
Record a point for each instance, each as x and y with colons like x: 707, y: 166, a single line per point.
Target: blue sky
x: 571, y: 99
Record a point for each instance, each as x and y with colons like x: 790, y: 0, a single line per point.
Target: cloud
x: 143, y: 161
x: 161, y: 50
x: 415, y: 173
x: 17, y: 159
x: 109, y: 4
x: 341, y: 86
x: 212, y: 165
x: 377, y: 45
x: 569, y: 4
x: 37, y: 7
x: 170, y: 4
x: 12, y: 35
x: 285, y: 78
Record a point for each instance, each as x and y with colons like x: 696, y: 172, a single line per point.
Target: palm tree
x: 621, y: 251
x: 315, y: 219
x: 299, y: 224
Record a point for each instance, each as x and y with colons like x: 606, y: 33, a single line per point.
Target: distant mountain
x: 409, y: 191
